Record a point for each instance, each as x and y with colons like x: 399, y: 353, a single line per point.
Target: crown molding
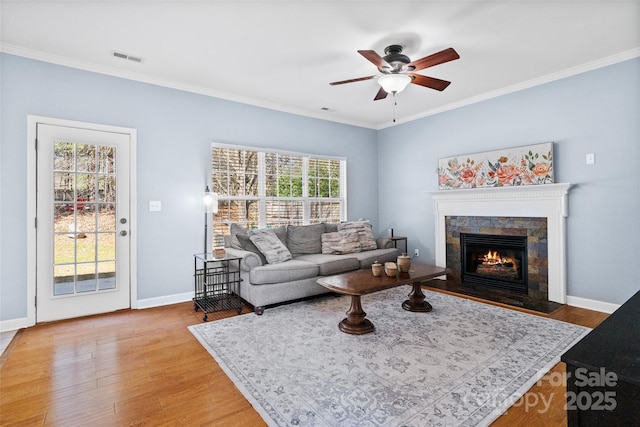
x: 590, y: 66
x: 172, y: 84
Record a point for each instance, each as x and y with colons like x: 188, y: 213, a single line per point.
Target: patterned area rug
x: 463, y: 364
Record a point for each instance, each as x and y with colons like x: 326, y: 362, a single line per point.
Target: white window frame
x: 305, y: 199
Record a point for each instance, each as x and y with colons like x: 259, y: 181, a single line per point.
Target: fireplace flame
x: 493, y: 258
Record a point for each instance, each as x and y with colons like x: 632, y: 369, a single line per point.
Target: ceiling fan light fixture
x: 394, y: 83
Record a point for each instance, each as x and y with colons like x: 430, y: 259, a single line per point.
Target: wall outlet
x: 416, y: 252
x: 155, y: 206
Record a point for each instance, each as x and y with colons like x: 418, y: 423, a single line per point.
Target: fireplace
x: 547, y: 202
x: 519, y: 241
x: 494, y: 261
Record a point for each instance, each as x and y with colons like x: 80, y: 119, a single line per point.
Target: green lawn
x: 82, y: 250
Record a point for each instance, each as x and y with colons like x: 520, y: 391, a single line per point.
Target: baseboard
x: 589, y: 304
x: 165, y: 300
x: 15, y: 324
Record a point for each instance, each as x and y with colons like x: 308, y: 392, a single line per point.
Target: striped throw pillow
x: 340, y: 243
x: 270, y: 245
x: 363, y: 228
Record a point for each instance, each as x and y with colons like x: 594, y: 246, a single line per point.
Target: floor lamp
x: 209, y: 206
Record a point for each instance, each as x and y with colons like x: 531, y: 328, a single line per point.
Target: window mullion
x: 229, y: 170
x: 306, y: 205
x: 343, y: 188
x: 262, y: 190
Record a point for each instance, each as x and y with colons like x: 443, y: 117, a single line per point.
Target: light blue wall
x: 175, y: 130
x: 594, y: 112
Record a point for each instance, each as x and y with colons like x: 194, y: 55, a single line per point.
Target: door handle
x: 123, y: 233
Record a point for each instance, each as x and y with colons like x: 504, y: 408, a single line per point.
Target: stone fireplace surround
x: 545, y: 201
x: 533, y: 228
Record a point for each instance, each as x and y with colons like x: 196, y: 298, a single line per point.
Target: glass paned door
x: 82, y: 232
x: 84, y: 188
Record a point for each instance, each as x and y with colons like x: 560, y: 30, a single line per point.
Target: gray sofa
x: 265, y: 284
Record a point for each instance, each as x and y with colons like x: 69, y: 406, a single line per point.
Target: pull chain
x: 395, y: 103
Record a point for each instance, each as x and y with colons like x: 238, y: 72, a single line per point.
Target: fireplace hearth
x: 494, y: 261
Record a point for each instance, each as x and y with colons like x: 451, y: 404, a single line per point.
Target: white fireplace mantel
x: 546, y: 201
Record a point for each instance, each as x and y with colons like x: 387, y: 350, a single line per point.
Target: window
x: 269, y: 188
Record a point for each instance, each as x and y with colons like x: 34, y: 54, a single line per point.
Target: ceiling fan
x: 398, y: 70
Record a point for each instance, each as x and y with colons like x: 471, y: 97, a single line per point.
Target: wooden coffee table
x: 362, y: 282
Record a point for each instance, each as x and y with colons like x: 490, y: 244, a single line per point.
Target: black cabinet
x: 603, y: 371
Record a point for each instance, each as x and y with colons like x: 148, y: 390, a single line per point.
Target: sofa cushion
x: 340, y: 243
x: 367, y: 258
x: 248, y: 245
x: 367, y: 241
x: 330, y: 228
x: 283, y: 272
x: 281, y: 232
x: 270, y: 245
x: 305, y: 239
x: 331, y: 264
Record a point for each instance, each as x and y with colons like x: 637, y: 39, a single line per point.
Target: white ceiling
x: 283, y: 54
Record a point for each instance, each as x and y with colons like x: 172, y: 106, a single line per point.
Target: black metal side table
x: 396, y: 239
x: 217, y: 284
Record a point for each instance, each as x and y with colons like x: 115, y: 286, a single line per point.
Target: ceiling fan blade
x: 374, y: 58
x: 380, y: 95
x: 435, y: 59
x: 430, y: 82
x: 359, y: 79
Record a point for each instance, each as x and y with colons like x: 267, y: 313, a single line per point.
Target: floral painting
x: 529, y: 165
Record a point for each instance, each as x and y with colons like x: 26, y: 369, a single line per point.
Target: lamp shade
x: 394, y: 83
x: 209, y: 201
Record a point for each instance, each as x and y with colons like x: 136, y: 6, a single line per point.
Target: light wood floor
x: 144, y: 368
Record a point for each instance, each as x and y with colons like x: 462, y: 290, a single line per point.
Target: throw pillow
x: 329, y: 240
x: 234, y: 230
x: 340, y: 243
x: 270, y: 245
x: 248, y: 245
x: 367, y: 241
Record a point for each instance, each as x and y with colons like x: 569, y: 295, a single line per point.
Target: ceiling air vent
x: 125, y: 56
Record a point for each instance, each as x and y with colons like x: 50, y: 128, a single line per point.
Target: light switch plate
x: 155, y: 206
x: 591, y: 158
